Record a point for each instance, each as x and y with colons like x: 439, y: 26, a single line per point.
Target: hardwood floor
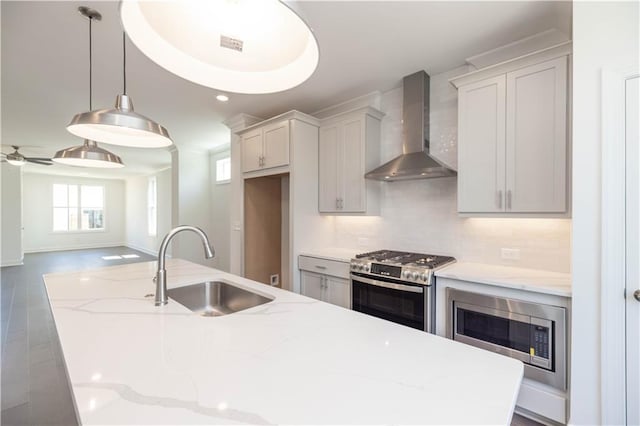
x: 34, y: 383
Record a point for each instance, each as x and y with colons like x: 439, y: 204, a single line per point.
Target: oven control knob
x: 423, y: 277
x: 366, y: 268
x: 360, y: 267
x: 415, y: 275
x: 406, y: 274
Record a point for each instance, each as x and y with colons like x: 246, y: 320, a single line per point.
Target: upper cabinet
x: 349, y: 146
x: 266, y: 146
x: 512, y: 136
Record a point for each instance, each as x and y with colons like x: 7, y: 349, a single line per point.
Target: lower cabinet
x: 326, y: 288
x: 326, y: 280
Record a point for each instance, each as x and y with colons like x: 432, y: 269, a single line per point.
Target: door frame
x: 612, y: 332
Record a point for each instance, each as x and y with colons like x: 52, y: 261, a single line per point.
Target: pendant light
x: 120, y: 125
x: 241, y: 46
x: 88, y: 154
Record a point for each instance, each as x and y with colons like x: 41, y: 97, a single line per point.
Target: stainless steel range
x: 397, y: 286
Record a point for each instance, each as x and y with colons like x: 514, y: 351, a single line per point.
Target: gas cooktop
x: 427, y: 261
x: 415, y: 268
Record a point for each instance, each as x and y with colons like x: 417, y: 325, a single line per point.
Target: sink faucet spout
x: 161, y: 275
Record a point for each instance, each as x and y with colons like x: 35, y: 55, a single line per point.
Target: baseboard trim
x: 12, y: 263
x: 75, y: 247
x: 142, y: 249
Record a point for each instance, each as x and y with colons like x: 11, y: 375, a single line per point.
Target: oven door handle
x: 401, y: 287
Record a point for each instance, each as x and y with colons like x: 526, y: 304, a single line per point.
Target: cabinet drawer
x: 324, y: 266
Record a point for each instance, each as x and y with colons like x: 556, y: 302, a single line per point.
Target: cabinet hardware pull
x: 508, y: 199
x: 337, y: 203
x: 499, y: 198
x: 321, y: 267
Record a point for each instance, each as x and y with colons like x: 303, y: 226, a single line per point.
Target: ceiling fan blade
x: 34, y: 161
x: 37, y: 158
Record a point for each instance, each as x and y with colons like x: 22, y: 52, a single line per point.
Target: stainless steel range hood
x: 415, y: 162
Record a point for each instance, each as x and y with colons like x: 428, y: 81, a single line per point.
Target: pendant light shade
x: 88, y: 154
x: 241, y: 46
x: 120, y: 126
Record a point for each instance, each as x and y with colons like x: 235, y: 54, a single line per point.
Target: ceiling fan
x: 18, y: 159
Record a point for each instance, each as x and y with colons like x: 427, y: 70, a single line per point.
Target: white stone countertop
x: 333, y: 253
x: 294, y: 360
x: 535, y: 280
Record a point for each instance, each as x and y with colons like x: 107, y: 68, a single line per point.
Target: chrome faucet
x: 161, y: 275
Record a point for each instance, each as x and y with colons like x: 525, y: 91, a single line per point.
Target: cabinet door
x: 276, y: 144
x: 312, y: 285
x: 328, y: 169
x: 251, y: 150
x: 338, y: 291
x: 351, y: 167
x: 536, y: 144
x: 481, y: 146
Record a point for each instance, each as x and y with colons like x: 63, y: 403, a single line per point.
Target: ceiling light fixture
x: 120, y: 125
x: 222, y: 98
x: 16, y: 159
x: 239, y: 46
x: 88, y: 154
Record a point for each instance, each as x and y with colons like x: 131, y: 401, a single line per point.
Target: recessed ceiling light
x: 237, y: 46
x: 222, y: 98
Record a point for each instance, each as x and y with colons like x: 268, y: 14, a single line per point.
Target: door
x: 352, y: 167
x: 328, y: 173
x: 251, y: 150
x: 536, y: 139
x: 312, y: 284
x: 481, y: 146
x: 276, y: 144
x: 338, y: 291
x: 632, y: 141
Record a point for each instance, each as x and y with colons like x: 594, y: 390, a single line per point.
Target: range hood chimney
x: 415, y: 161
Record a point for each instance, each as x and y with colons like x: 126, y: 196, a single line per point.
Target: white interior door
x: 632, y: 141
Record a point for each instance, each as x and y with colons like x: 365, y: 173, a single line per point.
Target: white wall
x: 193, y: 204
x: 11, y: 215
x: 605, y: 36
x: 220, y: 214
x: 421, y: 215
x: 37, y: 215
x: 136, y: 234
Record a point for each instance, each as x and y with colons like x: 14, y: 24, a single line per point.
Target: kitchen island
x: 294, y: 360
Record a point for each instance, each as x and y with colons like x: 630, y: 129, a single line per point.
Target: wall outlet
x: 274, y: 280
x: 510, y: 254
x: 363, y: 242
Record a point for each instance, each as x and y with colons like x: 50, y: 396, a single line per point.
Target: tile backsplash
x: 421, y: 215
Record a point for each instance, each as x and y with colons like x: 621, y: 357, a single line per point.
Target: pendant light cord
x: 124, y: 62
x: 90, y: 66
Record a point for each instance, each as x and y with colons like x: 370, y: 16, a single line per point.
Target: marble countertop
x: 333, y: 253
x: 294, y: 360
x: 535, y: 280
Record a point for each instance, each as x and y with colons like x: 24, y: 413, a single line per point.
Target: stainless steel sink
x: 216, y: 298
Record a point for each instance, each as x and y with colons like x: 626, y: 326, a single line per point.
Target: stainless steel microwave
x: 534, y: 333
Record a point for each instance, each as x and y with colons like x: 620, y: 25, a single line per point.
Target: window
x: 152, y: 207
x: 223, y: 170
x: 78, y: 207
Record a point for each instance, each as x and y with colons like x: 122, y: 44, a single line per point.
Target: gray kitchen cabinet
x: 512, y: 136
x: 266, y: 147
x: 349, y: 147
x: 326, y: 280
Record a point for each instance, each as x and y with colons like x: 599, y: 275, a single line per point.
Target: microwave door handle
x: 394, y: 286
